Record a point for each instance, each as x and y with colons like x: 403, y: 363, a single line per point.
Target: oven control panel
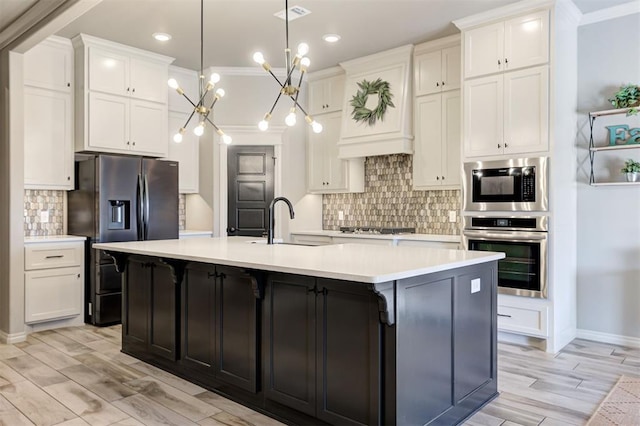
x: 529, y: 184
x: 504, y: 222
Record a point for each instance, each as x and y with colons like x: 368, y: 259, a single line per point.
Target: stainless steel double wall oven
x: 506, y: 204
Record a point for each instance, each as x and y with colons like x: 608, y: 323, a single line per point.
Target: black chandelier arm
x: 211, y: 122
x: 189, y: 119
x: 275, y: 103
x: 190, y: 101
x: 295, y: 101
x: 276, y: 78
x: 299, y: 85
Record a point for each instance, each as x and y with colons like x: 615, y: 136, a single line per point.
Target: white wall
x: 608, y: 217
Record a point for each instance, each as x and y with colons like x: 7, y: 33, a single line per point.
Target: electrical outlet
x: 44, y: 216
x: 340, y: 215
x: 453, y: 216
x: 475, y: 285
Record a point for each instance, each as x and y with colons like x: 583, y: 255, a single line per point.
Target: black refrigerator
x: 119, y: 198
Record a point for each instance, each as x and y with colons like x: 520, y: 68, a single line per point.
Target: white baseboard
x: 12, y: 338
x: 519, y: 339
x: 615, y: 339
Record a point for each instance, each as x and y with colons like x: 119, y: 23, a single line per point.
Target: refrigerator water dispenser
x: 119, y: 214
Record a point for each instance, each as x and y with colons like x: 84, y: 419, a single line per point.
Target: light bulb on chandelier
x: 199, y: 107
x: 287, y: 87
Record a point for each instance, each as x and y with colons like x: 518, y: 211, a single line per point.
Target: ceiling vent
x: 295, y: 12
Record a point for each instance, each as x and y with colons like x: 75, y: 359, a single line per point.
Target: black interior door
x: 250, y: 189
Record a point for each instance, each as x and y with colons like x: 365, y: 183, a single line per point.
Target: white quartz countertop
x: 53, y: 239
x: 409, y: 237
x: 351, y: 262
x: 194, y: 233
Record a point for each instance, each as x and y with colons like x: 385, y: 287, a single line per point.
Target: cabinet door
x: 148, y: 80
x: 317, y: 102
x: 198, y: 318
x: 188, y: 81
x: 334, y: 93
x: 336, y: 168
x: 162, y: 322
x: 49, y: 65
x: 108, y: 122
x: 526, y: 110
x: 317, y: 158
x: 48, y: 143
x: 427, y: 157
x: 428, y: 69
x: 348, y: 349
x: 526, y: 40
x: 451, y: 139
x: 484, y: 47
x: 148, y: 128
x: 451, y: 68
x: 483, y: 116
x: 185, y: 153
x: 289, y: 339
x: 236, y: 308
x: 51, y: 294
x: 108, y: 71
x: 135, y: 306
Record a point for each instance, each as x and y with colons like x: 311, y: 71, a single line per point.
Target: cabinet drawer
x: 52, y: 294
x: 529, y: 321
x: 43, y: 256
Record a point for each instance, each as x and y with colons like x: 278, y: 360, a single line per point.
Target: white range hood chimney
x: 390, y: 132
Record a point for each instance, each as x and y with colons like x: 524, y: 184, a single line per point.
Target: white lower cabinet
x: 523, y: 316
x: 53, y: 281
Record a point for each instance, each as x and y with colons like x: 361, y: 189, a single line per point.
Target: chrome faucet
x: 272, y: 218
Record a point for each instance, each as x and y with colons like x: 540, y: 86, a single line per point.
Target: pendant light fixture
x: 287, y: 88
x: 204, y: 88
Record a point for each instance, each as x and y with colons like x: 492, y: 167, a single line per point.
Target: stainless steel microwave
x: 518, y: 184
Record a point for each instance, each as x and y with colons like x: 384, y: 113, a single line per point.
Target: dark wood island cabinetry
x: 317, y: 350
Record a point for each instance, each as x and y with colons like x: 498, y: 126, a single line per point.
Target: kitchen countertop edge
x: 53, y: 239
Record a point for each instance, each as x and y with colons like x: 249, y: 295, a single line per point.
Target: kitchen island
x: 342, y: 334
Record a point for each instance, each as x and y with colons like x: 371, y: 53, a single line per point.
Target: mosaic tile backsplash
x: 389, y: 201
x: 36, y: 201
x: 182, y: 212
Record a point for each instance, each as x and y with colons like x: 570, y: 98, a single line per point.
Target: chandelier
x: 287, y: 88
x: 203, y: 112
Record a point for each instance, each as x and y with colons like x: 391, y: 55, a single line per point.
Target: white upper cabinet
x: 121, y: 101
x: 436, y: 161
x: 508, y: 45
x: 437, y: 71
x: 120, y: 74
x: 49, y: 65
x: 326, y: 95
x: 185, y: 153
x: 507, y: 113
x: 48, y: 112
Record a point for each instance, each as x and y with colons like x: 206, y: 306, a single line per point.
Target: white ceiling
x: 234, y: 29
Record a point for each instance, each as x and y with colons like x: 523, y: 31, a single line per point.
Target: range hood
x: 393, y: 132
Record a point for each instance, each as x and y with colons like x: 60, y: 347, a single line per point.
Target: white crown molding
x: 256, y: 71
x: 570, y: 11
x: 523, y: 6
x: 440, y: 43
x: 624, y: 9
x: 85, y: 40
x: 325, y: 73
x: 615, y: 339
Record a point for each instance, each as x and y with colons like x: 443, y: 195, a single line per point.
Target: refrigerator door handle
x: 146, y: 207
x: 139, y: 211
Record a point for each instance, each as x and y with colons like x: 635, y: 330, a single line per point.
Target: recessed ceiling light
x: 162, y: 36
x: 331, y: 38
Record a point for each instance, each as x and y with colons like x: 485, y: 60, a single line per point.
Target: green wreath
x: 360, y: 112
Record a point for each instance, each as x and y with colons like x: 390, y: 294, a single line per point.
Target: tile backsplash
x: 182, y: 212
x: 389, y: 201
x: 37, y: 201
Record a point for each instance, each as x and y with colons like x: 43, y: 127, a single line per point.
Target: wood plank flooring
x: 78, y: 376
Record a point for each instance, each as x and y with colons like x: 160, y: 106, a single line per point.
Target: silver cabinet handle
x: 59, y: 256
x: 504, y: 315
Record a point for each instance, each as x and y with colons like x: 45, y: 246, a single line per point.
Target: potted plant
x: 632, y: 170
x: 627, y: 97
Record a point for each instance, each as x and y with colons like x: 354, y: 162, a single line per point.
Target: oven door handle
x: 506, y: 235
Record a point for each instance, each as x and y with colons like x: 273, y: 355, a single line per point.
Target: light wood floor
x: 77, y: 376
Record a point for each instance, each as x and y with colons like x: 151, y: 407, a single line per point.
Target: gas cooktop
x: 375, y: 230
